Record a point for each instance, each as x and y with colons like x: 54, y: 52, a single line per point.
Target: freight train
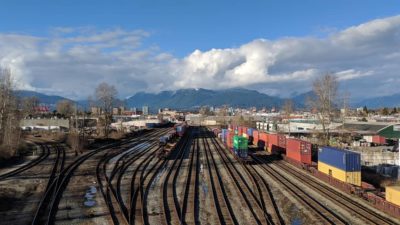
x: 168, y: 142
x: 338, y: 167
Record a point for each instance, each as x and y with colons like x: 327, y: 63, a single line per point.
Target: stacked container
x: 239, y: 131
x: 255, y: 137
x: 250, y: 131
x: 180, y: 130
x: 376, y: 139
x: 224, y: 133
x: 341, y: 164
x: 229, y: 139
x: 240, y: 146
x: 263, y: 140
x: 244, y: 129
x: 276, y: 143
x: 393, y: 194
x: 299, y: 150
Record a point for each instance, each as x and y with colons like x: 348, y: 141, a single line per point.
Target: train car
x: 341, y: 164
x: 224, y: 133
x: 392, y: 194
x: 299, y: 150
x: 276, y: 143
x: 262, y: 140
x: 180, y: 130
x: 240, y: 146
x: 255, y: 137
x: 169, y: 137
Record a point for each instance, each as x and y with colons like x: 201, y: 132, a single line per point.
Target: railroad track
x: 50, y: 191
x: 320, y: 210
x: 45, y: 153
x: 141, y: 214
x: 259, y: 214
x: 266, y: 197
x: 338, y: 198
x: 191, y: 192
x: 61, y: 182
x: 221, y: 201
x: 170, y: 204
x: 126, y: 157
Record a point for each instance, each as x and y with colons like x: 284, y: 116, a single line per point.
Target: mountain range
x: 194, y: 98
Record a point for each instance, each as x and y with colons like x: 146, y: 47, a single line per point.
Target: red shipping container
x: 263, y: 140
x: 255, y: 137
x: 229, y: 139
x: 239, y: 131
x: 378, y: 140
x: 244, y: 130
x: 276, y: 143
x: 298, y: 150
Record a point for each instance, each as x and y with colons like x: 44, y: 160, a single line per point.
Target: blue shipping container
x: 342, y: 159
x: 250, y: 131
x: 150, y: 125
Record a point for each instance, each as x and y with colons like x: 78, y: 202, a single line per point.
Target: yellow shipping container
x: 348, y: 177
x: 393, y: 194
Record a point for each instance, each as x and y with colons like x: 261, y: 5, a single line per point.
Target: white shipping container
x: 368, y: 138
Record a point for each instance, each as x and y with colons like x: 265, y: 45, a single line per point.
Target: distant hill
x: 50, y: 100
x: 192, y: 98
x: 300, y: 101
x: 379, y: 102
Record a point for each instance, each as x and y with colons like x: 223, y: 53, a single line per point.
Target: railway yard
x: 199, y: 182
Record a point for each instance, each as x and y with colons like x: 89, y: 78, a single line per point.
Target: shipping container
x: 180, y: 129
x: 229, y: 139
x: 339, y: 158
x: 276, y: 143
x: 244, y: 129
x: 239, y: 131
x: 378, y: 140
x: 351, y: 177
x: 299, y: 150
x: 263, y: 140
x: 393, y: 194
x: 250, y: 131
x: 368, y: 138
x: 255, y: 137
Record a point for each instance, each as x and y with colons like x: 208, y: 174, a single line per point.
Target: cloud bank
x: 72, y: 61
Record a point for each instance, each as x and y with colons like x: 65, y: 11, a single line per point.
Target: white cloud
x: 72, y: 61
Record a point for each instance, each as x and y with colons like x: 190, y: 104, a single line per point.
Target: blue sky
x: 179, y: 27
x: 67, y: 47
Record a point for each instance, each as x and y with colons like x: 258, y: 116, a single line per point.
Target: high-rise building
x: 145, y: 110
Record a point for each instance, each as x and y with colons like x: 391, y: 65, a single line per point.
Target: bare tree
x: 325, y: 90
x: 9, y: 115
x: 29, y: 105
x: 66, y: 107
x: 106, y: 96
x: 288, y: 109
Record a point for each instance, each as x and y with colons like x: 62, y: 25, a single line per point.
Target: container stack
x: 340, y: 164
x: 276, y: 143
x: 229, y: 139
x: 240, y: 146
x: 299, y: 150
x: 224, y: 133
x: 393, y: 194
x: 180, y: 129
x: 263, y: 140
x: 255, y: 137
x: 379, y: 140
